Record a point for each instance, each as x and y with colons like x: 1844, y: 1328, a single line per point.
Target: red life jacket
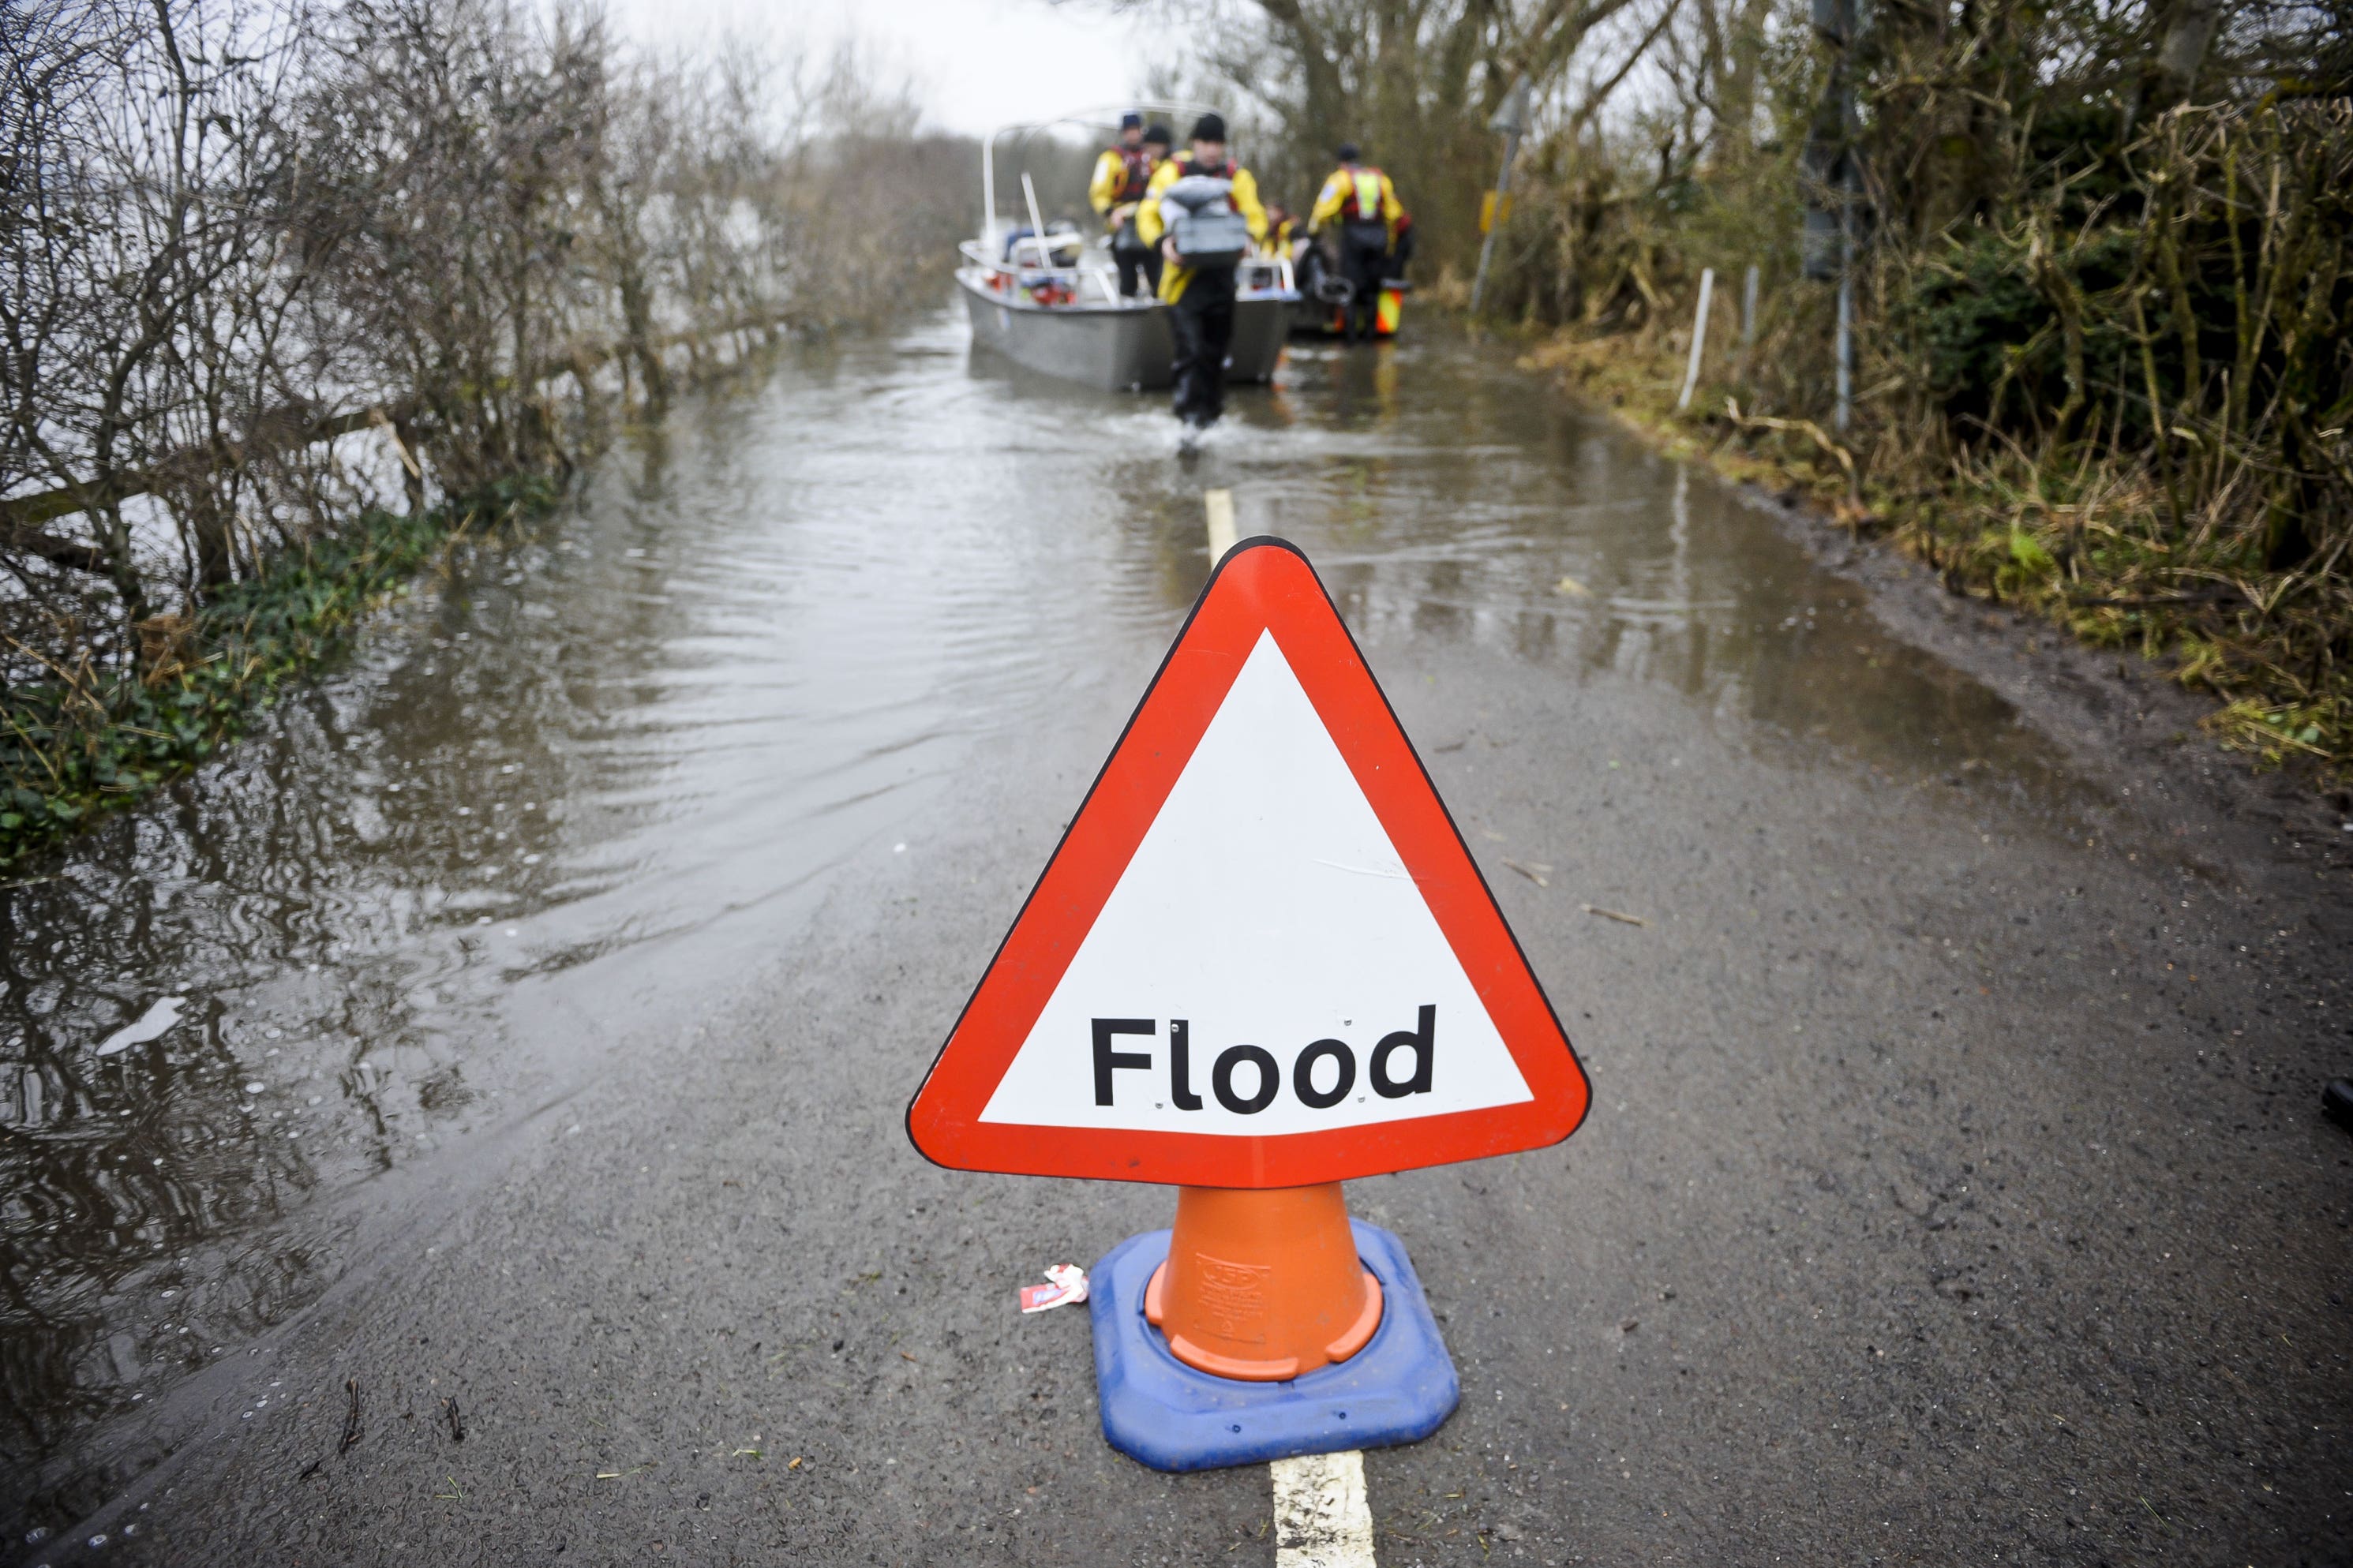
x: 1136, y: 174
x: 1184, y: 166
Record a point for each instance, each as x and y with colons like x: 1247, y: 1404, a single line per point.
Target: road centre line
x: 1321, y: 1517
x: 1219, y: 505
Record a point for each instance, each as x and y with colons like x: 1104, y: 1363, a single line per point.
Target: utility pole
x: 1511, y: 122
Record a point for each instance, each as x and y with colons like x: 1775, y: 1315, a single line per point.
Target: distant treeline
x: 265, y: 264
x: 2103, y: 294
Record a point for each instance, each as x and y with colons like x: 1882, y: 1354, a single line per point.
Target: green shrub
x: 71, y: 751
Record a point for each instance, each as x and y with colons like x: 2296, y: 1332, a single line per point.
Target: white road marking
x: 1219, y: 504
x: 1321, y: 1519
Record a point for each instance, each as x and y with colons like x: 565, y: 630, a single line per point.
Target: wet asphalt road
x: 1953, y: 1190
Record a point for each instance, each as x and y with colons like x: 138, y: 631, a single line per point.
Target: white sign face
x: 1266, y: 965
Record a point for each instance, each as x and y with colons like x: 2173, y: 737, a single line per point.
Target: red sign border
x: 1263, y: 584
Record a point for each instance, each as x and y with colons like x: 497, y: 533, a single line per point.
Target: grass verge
x: 80, y: 745
x: 2072, y: 535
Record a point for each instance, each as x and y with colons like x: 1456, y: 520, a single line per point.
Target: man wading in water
x: 1204, y: 213
x: 1362, y: 203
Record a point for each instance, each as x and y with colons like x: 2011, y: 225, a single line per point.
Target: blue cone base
x: 1400, y: 1388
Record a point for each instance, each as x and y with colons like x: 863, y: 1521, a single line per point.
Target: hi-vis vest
x: 1364, y: 198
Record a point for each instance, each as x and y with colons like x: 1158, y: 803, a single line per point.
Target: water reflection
x: 1441, y: 497
x: 593, y: 773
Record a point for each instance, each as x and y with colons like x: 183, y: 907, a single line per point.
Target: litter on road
x: 1065, y: 1283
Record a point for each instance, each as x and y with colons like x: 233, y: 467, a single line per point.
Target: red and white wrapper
x: 1065, y: 1283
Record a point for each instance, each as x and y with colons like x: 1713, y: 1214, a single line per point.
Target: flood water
x: 590, y: 773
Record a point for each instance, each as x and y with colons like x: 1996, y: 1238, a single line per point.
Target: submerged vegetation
x: 289, y: 294
x: 2103, y: 299
x: 84, y: 740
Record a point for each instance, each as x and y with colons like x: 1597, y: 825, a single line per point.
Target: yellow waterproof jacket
x: 1112, y: 184
x: 1278, y: 236
x: 1360, y: 193
x: 1149, y: 228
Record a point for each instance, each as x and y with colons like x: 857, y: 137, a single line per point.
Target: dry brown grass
x: 2083, y: 542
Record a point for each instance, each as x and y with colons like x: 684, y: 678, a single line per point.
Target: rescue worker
x: 1121, y: 174
x: 1158, y: 140
x: 1201, y: 298
x: 1361, y: 200
x: 1281, y: 233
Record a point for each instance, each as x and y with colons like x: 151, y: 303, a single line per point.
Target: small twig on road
x: 351, y: 1418
x: 1613, y: 915
x: 456, y: 1422
x: 1533, y: 873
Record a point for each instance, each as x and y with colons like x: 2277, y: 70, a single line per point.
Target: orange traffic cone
x: 1262, y: 1285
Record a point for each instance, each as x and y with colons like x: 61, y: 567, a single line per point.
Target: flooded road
x: 595, y: 777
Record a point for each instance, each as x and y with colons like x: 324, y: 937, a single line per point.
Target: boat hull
x: 1261, y: 324
x: 1120, y: 348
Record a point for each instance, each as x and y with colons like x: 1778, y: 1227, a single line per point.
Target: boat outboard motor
x: 1202, y: 224
x: 1318, y: 282
x: 1064, y: 243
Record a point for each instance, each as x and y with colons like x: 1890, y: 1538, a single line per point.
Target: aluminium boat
x: 1049, y: 301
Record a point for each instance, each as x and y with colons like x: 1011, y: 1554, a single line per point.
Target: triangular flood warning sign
x: 1261, y: 956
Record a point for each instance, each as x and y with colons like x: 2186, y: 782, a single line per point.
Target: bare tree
x: 241, y: 232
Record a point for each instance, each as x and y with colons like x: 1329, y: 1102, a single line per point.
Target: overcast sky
x: 975, y: 63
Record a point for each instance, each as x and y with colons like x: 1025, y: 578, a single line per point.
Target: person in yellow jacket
x: 1200, y: 295
x: 1281, y: 233
x: 1121, y: 177
x: 1362, y: 202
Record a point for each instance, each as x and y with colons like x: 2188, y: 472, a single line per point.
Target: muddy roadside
x: 2119, y: 719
